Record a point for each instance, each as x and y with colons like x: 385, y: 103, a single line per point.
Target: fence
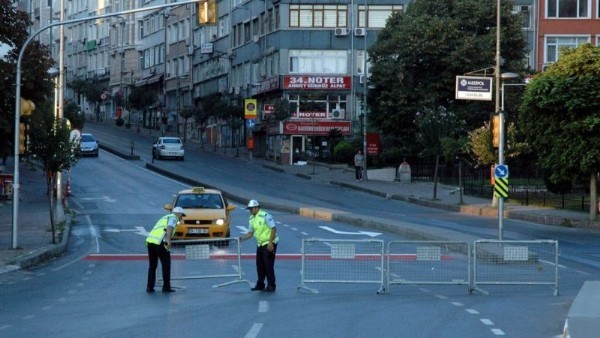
x: 341, y: 261
x: 210, y: 258
x: 515, y: 262
x: 428, y: 262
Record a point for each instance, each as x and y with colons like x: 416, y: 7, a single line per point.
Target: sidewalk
x: 34, y: 236
x: 33, y: 232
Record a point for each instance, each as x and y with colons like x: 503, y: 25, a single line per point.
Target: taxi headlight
x: 219, y: 221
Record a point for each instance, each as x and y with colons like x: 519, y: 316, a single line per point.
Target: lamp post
x: 365, y: 93
x: 501, y: 138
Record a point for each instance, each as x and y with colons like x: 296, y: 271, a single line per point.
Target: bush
x: 120, y: 121
x: 391, y: 157
x: 344, y: 152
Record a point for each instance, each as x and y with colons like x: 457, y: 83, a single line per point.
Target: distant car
x: 88, y: 145
x: 168, y: 147
x: 206, y: 214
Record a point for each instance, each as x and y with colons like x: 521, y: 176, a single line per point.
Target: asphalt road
x: 114, y: 198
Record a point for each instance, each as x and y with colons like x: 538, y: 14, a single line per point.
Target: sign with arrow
x: 501, y: 171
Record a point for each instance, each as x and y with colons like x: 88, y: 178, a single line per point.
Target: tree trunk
x: 593, y: 197
x: 435, y: 176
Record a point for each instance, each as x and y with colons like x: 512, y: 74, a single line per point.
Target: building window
x: 526, y: 15
x: 568, y: 8
x: 318, y: 62
x: 377, y: 15
x: 554, y: 44
x: 313, y: 16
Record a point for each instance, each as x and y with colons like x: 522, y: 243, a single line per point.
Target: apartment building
x: 311, y: 53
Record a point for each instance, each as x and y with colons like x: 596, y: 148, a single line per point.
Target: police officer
x: 159, y: 247
x: 262, y: 227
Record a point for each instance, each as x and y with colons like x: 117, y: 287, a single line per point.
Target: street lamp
x: 501, y: 133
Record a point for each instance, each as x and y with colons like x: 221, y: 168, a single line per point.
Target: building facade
x: 310, y: 53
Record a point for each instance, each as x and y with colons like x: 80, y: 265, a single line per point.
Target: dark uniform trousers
x: 265, y: 265
x: 156, y: 252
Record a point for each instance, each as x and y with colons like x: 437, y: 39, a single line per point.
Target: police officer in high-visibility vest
x: 262, y: 226
x: 159, y: 247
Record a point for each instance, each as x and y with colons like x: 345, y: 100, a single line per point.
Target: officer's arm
x: 247, y: 235
x: 169, y: 235
x: 273, y: 234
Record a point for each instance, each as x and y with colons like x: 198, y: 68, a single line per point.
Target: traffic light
x: 207, y: 12
x: 27, y: 107
x: 496, y: 131
x: 22, y: 138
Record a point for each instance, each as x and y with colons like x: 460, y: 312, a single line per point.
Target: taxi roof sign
x: 197, y: 189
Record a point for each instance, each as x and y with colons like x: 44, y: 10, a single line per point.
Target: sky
x: 4, y: 49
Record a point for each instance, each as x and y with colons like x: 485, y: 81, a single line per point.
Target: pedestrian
x: 359, y: 163
x: 262, y: 226
x: 159, y: 247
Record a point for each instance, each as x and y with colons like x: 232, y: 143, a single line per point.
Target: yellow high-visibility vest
x: 158, y: 233
x: 262, y: 231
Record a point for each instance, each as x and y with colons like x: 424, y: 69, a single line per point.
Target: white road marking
x: 486, y: 322
x: 339, y: 232
x: 263, y: 306
x: 4, y: 327
x: 472, y: 311
x: 441, y: 297
x: 457, y: 304
x: 254, y: 330
x: 498, y: 332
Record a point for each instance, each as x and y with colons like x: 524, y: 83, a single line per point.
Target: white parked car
x: 168, y: 147
x: 88, y: 145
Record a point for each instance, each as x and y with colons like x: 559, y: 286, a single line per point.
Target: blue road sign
x: 501, y: 171
x: 250, y: 123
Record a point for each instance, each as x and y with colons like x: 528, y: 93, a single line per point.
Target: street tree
x: 419, y: 53
x: 36, y: 83
x: 51, y: 145
x: 436, y: 130
x: 201, y: 117
x: 560, y: 117
x: 186, y: 113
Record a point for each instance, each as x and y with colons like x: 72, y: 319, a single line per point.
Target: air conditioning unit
x: 360, y: 31
x: 256, y: 38
x: 362, y: 79
x: 341, y: 31
x: 337, y: 114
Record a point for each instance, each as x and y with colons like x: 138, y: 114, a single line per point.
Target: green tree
x: 36, y: 83
x: 560, y: 117
x: 186, y: 113
x: 435, y: 130
x: 201, y: 117
x: 50, y: 144
x: 419, y: 53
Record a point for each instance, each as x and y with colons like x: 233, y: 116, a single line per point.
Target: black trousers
x: 358, y: 172
x: 156, y: 252
x: 265, y: 266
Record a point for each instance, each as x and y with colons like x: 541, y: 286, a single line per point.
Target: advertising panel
x: 474, y: 88
x: 317, y: 82
x: 321, y: 128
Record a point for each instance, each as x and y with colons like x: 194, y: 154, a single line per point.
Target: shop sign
x: 310, y: 115
x: 320, y: 128
x: 267, y: 85
x: 373, y: 144
x: 317, y: 82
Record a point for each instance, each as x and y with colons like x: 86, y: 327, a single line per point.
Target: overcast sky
x: 4, y: 48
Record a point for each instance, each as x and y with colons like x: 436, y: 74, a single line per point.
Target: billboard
x: 474, y: 88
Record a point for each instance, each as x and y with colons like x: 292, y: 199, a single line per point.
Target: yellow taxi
x: 206, y: 214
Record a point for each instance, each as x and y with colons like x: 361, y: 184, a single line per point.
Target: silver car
x: 168, y: 147
x: 88, y: 145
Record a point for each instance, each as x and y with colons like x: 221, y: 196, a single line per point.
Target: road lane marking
x: 254, y: 330
x: 472, y: 311
x: 486, y: 321
x: 498, y: 332
x: 263, y: 306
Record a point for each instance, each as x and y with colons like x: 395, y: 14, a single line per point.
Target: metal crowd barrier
x: 209, y: 258
x: 341, y: 261
x: 515, y: 263
x: 428, y: 262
